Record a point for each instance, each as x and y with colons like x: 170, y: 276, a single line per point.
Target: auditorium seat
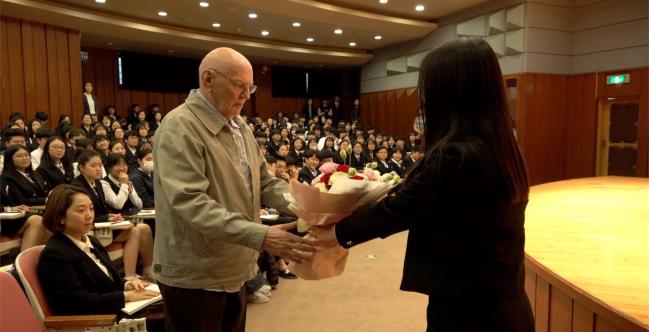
x: 15, y: 313
x: 26, y: 264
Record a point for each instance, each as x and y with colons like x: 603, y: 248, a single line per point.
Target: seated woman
x: 55, y: 167
x: 137, y: 240
x: 358, y: 157
x: 23, y: 185
x: 142, y: 177
x: 118, y: 189
x: 77, y: 275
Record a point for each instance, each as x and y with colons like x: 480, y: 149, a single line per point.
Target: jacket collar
x: 207, y: 113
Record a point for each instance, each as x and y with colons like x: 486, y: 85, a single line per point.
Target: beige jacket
x: 208, y: 231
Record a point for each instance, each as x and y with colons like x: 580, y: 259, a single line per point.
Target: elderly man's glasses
x: 250, y: 88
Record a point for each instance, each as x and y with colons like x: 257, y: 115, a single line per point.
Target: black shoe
x: 286, y: 274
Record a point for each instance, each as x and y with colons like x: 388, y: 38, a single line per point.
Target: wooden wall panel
x: 542, y: 306
x: 392, y: 111
x: 560, y: 311
x: 40, y: 67
x: 583, y: 318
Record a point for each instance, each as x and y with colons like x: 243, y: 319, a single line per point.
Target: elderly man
x: 210, y: 181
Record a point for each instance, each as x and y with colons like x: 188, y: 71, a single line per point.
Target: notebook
x: 125, y: 224
x: 133, y: 307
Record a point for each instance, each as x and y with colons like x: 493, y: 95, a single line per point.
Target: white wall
x: 560, y: 36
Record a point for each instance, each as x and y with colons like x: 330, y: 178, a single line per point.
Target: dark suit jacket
x: 22, y: 191
x: 53, y: 177
x: 131, y: 160
x: 74, y: 284
x: 86, y: 107
x: 305, y: 175
x: 383, y: 169
x: 399, y: 169
x: 96, y: 196
x: 359, y: 163
x: 465, y: 245
x: 143, y: 185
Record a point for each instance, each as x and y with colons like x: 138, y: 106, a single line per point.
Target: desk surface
x: 594, y: 233
x: 11, y: 215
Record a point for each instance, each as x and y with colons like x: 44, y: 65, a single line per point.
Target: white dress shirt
x: 117, y: 201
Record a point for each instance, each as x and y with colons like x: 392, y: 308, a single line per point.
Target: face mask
x: 147, y: 166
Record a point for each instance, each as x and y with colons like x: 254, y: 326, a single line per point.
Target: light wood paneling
x: 392, y: 112
x: 586, y: 241
x: 40, y: 67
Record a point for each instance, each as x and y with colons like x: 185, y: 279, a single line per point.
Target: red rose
x: 357, y: 177
x: 342, y: 168
x: 325, y: 179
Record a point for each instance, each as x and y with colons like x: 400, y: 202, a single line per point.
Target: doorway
x: 617, y: 148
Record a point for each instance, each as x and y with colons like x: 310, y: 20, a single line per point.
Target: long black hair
x: 462, y: 97
x: 46, y: 160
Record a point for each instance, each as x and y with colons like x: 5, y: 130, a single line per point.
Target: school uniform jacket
x: 19, y: 190
x: 96, y: 196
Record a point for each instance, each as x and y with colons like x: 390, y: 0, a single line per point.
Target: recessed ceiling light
x: 100, y: 1
x: 352, y: 44
x: 297, y: 24
x: 265, y: 33
x: 310, y: 39
x: 378, y: 37
x: 162, y: 13
x: 204, y: 4
x: 253, y: 15
x: 216, y: 24
x: 338, y: 31
x: 420, y: 8
x: 383, y: 2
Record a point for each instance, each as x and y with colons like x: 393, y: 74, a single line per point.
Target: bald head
x: 224, y: 75
x: 225, y: 60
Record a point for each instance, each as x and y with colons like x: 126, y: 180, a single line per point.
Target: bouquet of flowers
x: 332, y: 196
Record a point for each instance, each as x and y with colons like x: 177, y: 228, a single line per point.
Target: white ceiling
x: 187, y: 29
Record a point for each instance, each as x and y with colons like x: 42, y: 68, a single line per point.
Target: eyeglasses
x: 250, y: 88
x: 58, y: 147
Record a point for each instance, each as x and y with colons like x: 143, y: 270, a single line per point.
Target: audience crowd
x: 109, y: 159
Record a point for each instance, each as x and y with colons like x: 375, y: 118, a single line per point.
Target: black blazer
x: 86, y: 106
x: 131, y: 159
x: 22, y: 191
x: 399, y: 169
x: 96, y: 196
x: 465, y: 245
x: 383, y: 169
x: 143, y: 185
x: 359, y: 163
x: 305, y: 175
x: 53, y: 177
x: 74, y: 284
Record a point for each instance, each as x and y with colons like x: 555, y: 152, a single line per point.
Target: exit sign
x: 618, y: 79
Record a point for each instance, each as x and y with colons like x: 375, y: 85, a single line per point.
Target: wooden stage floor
x: 594, y: 234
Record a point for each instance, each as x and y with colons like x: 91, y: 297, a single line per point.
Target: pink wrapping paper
x: 327, y: 208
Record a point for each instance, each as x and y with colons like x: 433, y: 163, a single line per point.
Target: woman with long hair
x: 55, y: 167
x: 463, y: 204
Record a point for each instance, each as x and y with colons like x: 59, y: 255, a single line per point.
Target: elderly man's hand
x: 291, y: 247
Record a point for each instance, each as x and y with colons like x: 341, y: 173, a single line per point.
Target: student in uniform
x: 397, y: 162
x: 55, y: 167
x: 358, y: 158
x: 142, y: 177
x: 137, y: 240
x: 382, y: 162
x: 310, y: 169
x: 121, y: 196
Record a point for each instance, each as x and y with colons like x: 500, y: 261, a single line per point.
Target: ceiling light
x: 162, y: 14
x: 100, y: 1
x: 420, y: 8
x: 216, y: 24
x: 265, y: 33
x: 252, y: 15
x: 383, y: 2
x: 170, y: 51
x: 378, y: 37
x: 204, y: 4
x: 338, y: 31
x: 297, y: 24
x: 310, y: 39
x: 352, y: 44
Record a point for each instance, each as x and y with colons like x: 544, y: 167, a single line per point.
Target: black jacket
x: 305, y: 175
x: 86, y: 106
x: 53, y: 177
x: 20, y: 191
x: 143, y: 185
x: 74, y: 284
x: 465, y: 241
x: 96, y: 196
x: 382, y: 168
x: 359, y: 163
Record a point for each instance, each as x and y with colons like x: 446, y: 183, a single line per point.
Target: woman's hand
x: 112, y: 217
x: 136, y: 285
x: 123, y: 178
x: 131, y: 296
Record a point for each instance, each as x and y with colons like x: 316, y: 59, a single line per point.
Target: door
x: 617, y: 152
